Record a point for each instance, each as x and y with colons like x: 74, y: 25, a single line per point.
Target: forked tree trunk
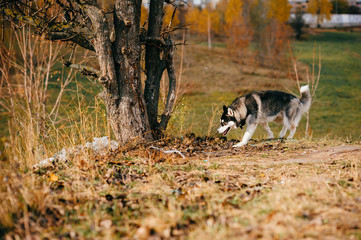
x: 120, y: 71
x: 132, y: 115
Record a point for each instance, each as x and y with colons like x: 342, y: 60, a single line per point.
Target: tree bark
x: 120, y: 71
x: 172, y: 84
x: 132, y: 115
x: 130, y: 120
x: 154, y: 65
x: 209, y: 31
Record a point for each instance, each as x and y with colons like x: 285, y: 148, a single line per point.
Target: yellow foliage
x: 143, y: 15
x: 215, y: 21
x: 321, y: 8
x: 279, y: 10
x: 53, y: 177
x: 233, y: 12
x: 198, y: 19
x: 168, y: 13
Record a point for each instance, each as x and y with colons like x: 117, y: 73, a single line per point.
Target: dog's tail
x: 305, y: 98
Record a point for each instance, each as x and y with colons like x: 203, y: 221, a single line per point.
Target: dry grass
x: 274, y: 190
x: 306, y: 189
x: 216, y: 71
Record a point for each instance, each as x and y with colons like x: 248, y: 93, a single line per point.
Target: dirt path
x: 328, y: 154
x: 276, y: 157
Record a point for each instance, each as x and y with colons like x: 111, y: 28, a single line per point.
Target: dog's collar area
x: 241, y: 123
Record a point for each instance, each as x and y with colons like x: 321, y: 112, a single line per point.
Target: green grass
x: 217, y: 80
x: 284, y: 190
x: 337, y: 109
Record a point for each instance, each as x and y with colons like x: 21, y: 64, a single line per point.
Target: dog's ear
x: 230, y: 112
x: 225, y: 108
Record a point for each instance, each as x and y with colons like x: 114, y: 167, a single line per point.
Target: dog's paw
x: 239, y: 145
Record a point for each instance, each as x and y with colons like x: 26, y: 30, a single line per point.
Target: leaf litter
x: 146, y: 192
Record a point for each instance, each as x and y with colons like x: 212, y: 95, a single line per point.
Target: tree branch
x: 152, y: 40
x: 54, y: 30
x: 102, y: 46
x: 172, y: 84
x: 85, y: 70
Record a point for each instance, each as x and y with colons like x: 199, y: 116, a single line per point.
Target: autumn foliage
x: 197, y: 19
x: 237, y: 29
x: 321, y: 8
x: 242, y: 22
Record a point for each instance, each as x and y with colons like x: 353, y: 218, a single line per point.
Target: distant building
x: 298, y: 4
x: 356, y: 3
x: 336, y: 21
x: 302, y: 4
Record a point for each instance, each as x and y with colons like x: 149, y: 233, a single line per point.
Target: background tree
x: 298, y: 23
x: 237, y: 27
x: 204, y: 21
x: 321, y: 8
x: 354, y: 10
x: 170, y: 16
x: 113, y: 33
x: 279, y: 10
x: 270, y: 32
x: 340, y: 6
x: 144, y: 16
x: 277, y: 31
x: 242, y: 22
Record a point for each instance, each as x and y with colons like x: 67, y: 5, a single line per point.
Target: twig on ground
x: 168, y: 151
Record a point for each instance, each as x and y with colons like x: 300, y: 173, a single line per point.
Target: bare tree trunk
x: 120, y: 71
x: 209, y: 32
x: 130, y: 119
x: 153, y: 64
x: 172, y: 85
x: 132, y: 115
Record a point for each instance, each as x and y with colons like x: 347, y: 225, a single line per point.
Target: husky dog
x: 263, y: 107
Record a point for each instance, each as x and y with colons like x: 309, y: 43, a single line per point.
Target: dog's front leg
x: 247, y: 135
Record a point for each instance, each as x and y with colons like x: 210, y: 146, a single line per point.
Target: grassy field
x: 270, y: 189
x: 336, y: 111
x: 210, y: 78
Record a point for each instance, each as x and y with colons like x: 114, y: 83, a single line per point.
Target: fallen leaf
x: 53, y: 177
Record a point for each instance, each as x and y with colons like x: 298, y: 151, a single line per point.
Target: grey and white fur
x: 263, y: 107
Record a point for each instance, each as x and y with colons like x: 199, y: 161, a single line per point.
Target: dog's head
x: 228, y: 121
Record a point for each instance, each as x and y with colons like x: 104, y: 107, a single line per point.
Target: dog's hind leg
x: 283, y: 132
x: 292, y: 132
x: 294, y: 125
x: 247, y: 135
x: 268, y: 130
x: 286, y: 126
